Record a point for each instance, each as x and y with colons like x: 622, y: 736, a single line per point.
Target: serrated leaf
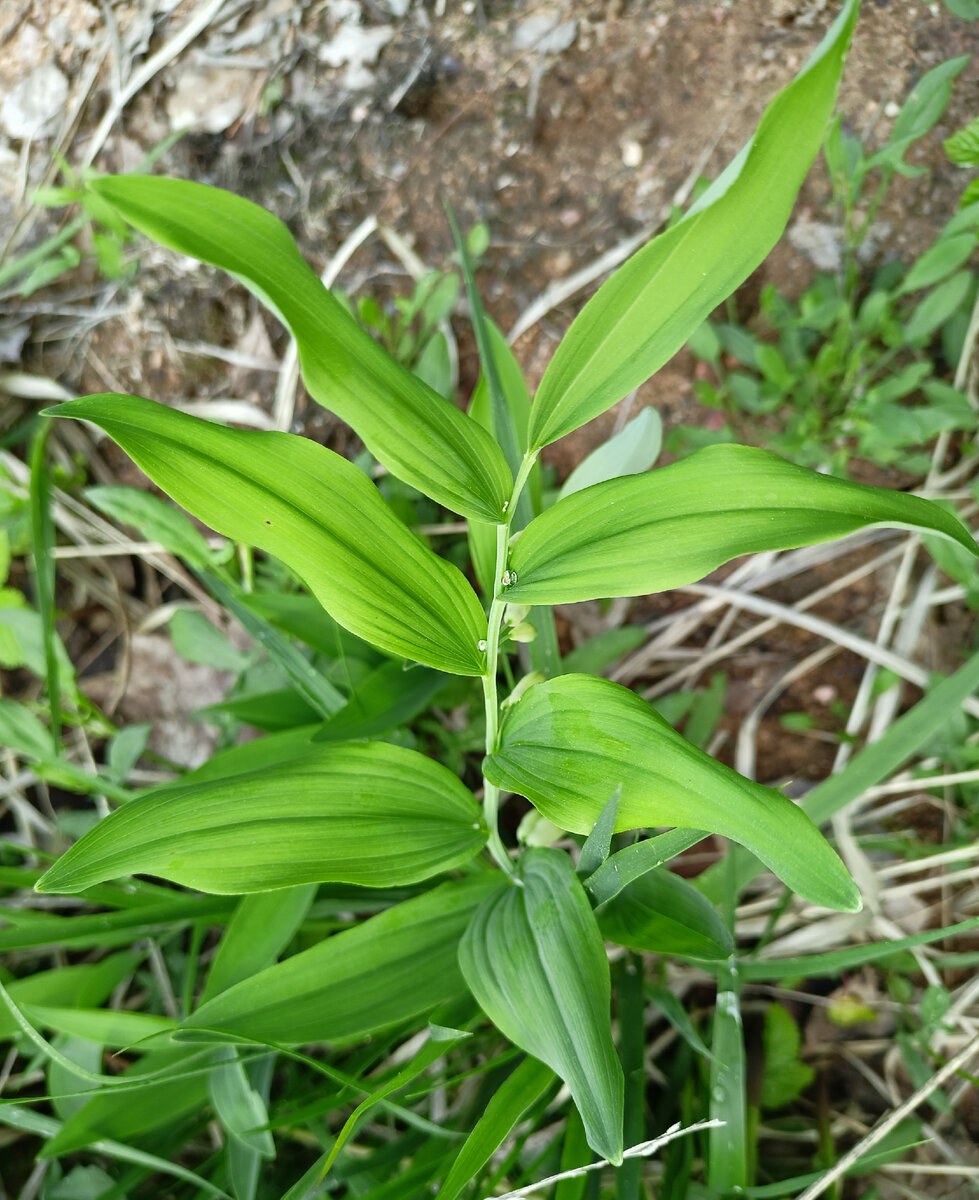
x: 641, y: 316
x: 785, y: 1075
x: 353, y: 812
x: 671, y: 526
x: 417, y: 434
x: 314, y: 510
x: 660, y: 913
x: 569, y: 738
x: 387, y: 970
x: 534, y: 960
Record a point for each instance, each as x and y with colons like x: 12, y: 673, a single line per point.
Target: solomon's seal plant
x: 521, y: 933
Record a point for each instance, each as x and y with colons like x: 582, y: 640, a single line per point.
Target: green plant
x: 293, y: 833
x: 850, y: 369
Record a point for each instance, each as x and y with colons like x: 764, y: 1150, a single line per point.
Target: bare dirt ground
x: 569, y: 128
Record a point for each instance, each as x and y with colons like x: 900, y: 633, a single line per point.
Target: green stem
x: 491, y: 793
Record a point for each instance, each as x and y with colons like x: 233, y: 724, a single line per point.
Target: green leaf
x: 598, y: 843
x: 385, y: 971
x: 963, y: 146
x: 939, y: 261
x: 921, y: 110
x: 387, y: 697
x: 569, y: 739
x: 522, y: 1088
x: 314, y: 510
x: 22, y: 732
x: 661, y: 913
x: 198, y: 641
x: 417, y: 434
x: 631, y: 862
x: 633, y: 449
x: 534, y: 960
x: 937, y: 306
x: 238, y: 1106
x: 156, y: 520
x: 365, y: 813
x: 671, y: 526
x: 968, y: 10
x: 785, y: 1075
x: 641, y: 316
x: 263, y: 925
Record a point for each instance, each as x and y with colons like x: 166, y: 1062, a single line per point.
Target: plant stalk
x: 491, y: 793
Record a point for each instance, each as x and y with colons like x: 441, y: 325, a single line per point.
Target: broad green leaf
x: 938, y: 261
x: 353, y: 812
x: 155, y: 519
x: 569, y: 739
x: 727, y: 1154
x: 663, y: 914
x: 641, y: 316
x: 314, y: 510
x: 921, y: 110
x: 197, y: 640
x: 417, y: 434
x: 633, y: 449
x: 968, y: 10
x: 22, y: 732
x: 521, y: 1088
x: 671, y: 526
x: 384, y: 971
x: 534, y: 960
x: 937, y: 306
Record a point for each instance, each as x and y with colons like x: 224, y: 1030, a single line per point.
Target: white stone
x: 208, y: 99
x: 32, y: 108
x: 545, y: 33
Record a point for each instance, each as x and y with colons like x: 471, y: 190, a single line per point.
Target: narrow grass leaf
x: 314, y: 510
x: 568, y: 739
x: 522, y: 1088
x: 387, y: 970
x: 632, y: 862
x: 660, y: 913
x: 808, y: 966
x: 367, y: 813
x: 651, y: 305
x: 598, y: 843
x: 416, y: 433
x: 263, y: 926
x: 672, y: 526
x: 534, y: 960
